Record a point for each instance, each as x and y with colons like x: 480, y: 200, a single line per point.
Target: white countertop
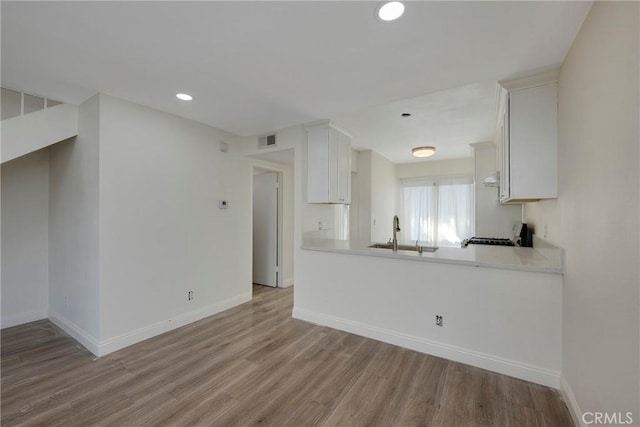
x: 543, y: 260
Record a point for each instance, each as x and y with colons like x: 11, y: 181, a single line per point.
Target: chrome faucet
x: 396, y: 228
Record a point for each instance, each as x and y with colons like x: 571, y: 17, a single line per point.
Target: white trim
x: 490, y: 362
x: 540, y: 77
x: 121, y: 341
x: 288, y: 282
x: 21, y: 318
x: 328, y: 123
x: 570, y: 399
x: 76, y: 332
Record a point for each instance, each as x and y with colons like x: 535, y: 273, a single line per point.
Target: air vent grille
x: 266, y: 141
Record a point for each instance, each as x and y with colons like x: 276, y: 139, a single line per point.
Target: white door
x: 265, y: 229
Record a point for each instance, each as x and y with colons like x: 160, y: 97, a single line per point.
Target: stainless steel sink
x: 403, y: 247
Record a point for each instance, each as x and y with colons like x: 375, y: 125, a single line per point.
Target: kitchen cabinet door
x: 530, y: 145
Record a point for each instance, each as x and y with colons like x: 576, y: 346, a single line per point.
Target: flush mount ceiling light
x: 423, y: 151
x: 184, y: 96
x: 390, y: 11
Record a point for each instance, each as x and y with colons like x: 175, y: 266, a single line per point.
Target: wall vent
x: 266, y: 141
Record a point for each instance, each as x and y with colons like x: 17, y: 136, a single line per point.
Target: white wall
x: 384, y: 192
x: 161, y: 232
x: 596, y: 215
x: 73, y: 229
x: 25, y: 247
x: 492, y: 219
x: 435, y: 168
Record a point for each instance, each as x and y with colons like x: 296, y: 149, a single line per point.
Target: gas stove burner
x: 493, y: 241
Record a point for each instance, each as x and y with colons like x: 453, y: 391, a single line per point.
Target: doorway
x: 267, y: 227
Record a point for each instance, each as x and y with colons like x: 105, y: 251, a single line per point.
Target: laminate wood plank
x: 344, y: 375
x: 360, y: 402
x: 549, y: 405
x: 429, y: 381
x: 306, y: 413
x: 399, y: 377
x: 255, y: 365
x: 139, y: 411
x: 416, y: 413
x: 516, y: 391
x: 287, y: 402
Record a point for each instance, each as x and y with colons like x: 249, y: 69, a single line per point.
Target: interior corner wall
x: 596, y: 216
x: 162, y: 233
x: 364, y: 194
x: 384, y: 191
x: 25, y: 247
x: 73, y: 229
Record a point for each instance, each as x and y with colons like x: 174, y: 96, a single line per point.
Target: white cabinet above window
x: 528, y: 127
x: 328, y: 164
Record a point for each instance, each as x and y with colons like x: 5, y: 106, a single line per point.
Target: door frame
x: 279, y: 214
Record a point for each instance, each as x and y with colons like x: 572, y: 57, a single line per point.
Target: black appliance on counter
x: 522, y: 237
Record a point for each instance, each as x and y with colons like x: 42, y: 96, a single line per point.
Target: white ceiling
x: 254, y: 67
x: 449, y: 120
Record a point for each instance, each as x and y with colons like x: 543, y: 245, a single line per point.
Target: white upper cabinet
x: 528, y: 129
x: 328, y: 164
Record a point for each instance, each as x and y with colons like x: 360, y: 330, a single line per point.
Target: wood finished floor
x: 254, y: 365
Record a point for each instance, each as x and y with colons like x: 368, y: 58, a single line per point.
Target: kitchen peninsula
x: 500, y: 308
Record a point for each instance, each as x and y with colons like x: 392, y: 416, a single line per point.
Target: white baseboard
x: 288, y: 282
x: 20, y: 318
x: 570, y: 399
x: 83, y: 337
x: 113, y: 344
x: 490, y: 362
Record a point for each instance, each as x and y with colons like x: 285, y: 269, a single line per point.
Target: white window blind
x: 438, y: 210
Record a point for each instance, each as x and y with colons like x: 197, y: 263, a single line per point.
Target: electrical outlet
x: 438, y: 320
x: 190, y: 295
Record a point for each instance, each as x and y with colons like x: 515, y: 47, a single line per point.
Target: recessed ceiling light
x: 184, y: 96
x: 391, y: 10
x: 423, y: 151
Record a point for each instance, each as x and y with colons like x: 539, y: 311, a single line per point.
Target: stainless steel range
x: 494, y: 241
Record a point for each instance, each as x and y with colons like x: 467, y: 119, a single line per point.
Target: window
x: 438, y: 211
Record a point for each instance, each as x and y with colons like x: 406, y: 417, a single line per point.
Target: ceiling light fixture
x: 390, y: 11
x: 423, y: 151
x: 184, y: 96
